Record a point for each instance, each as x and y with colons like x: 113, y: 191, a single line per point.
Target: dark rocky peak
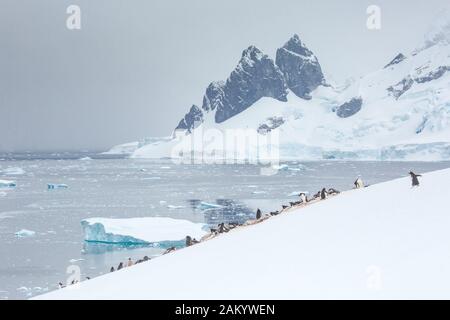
x: 214, y: 96
x: 191, y: 120
x: 295, y: 45
x: 398, y: 58
x: 300, y: 67
x: 255, y: 76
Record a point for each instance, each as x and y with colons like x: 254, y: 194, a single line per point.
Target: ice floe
x: 12, y: 171
x: 151, y: 230
x: 24, y: 233
x: 205, y: 205
x: 53, y: 186
x: 7, y: 184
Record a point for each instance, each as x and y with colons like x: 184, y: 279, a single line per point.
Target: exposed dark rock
x: 398, y: 58
x: 271, y: 124
x: 300, y: 67
x: 349, y: 108
x: 433, y: 75
x: 191, y: 120
x: 400, y: 88
x: 214, y: 96
x: 406, y: 83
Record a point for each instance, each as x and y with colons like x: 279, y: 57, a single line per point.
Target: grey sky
x: 137, y: 66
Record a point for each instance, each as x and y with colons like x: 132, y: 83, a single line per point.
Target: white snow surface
x: 386, y: 241
x: 140, y: 230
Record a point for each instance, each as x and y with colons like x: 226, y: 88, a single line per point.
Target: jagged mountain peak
x: 295, y: 45
x: 300, y: 67
x: 252, y: 52
x: 397, y: 59
x: 251, y: 55
x: 191, y: 120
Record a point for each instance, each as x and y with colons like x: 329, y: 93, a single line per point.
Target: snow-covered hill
x: 401, y: 111
x: 385, y: 241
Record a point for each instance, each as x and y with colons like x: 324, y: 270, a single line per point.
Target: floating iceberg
x: 13, y: 171
x: 154, y: 230
x: 52, y: 186
x: 25, y: 233
x: 7, y: 184
x: 205, y: 205
x: 86, y: 159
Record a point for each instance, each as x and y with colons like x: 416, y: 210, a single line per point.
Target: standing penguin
x: 303, y: 198
x: 323, y: 194
x: 188, y: 241
x: 258, y: 214
x: 415, y: 180
x: 359, y: 183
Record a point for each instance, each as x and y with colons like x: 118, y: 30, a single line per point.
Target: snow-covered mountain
x: 401, y: 111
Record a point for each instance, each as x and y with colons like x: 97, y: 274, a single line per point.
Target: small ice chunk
x: 25, y: 233
x: 299, y: 167
x: 7, y: 184
x: 13, y: 171
x: 205, y: 205
x: 52, y: 186
x: 86, y: 159
x: 75, y: 260
x: 259, y: 192
x: 170, y: 206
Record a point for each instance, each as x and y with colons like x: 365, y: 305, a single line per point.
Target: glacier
x: 158, y: 231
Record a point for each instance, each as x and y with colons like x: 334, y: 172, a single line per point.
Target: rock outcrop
x: 300, y: 67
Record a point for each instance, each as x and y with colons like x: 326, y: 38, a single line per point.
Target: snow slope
x: 123, y: 149
x: 384, y: 241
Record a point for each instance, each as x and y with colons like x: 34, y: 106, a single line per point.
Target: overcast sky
x: 136, y: 66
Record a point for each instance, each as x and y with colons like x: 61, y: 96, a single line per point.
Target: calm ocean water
x: 124, y: 188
